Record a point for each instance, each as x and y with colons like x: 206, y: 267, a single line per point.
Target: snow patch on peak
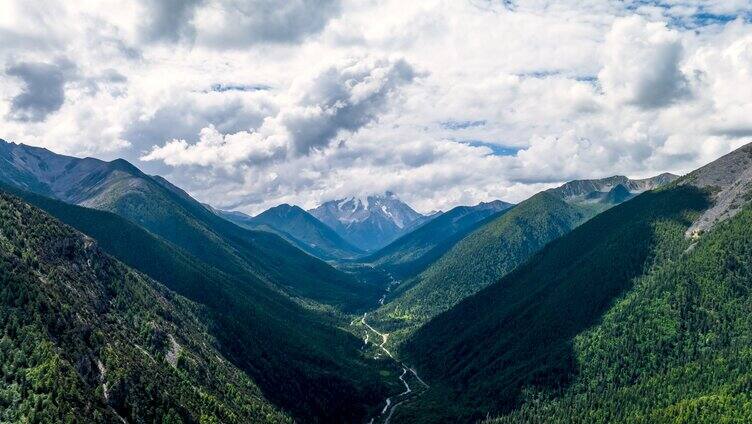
x: 376, y: 218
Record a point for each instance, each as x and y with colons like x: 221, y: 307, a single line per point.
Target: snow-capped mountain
x: 369, y: 223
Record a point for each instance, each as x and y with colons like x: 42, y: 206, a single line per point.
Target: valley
x: 288, y: 279
x: 376, y: 212
x: 408, y: 373
x: 494, y: 312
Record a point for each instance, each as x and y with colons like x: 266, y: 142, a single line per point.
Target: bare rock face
x: 594, y: 191
x: 729, y: 179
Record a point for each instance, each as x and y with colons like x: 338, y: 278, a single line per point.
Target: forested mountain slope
x: 480, y: 258
x: 300, y: 360
x: 169, y: 212
x: 501, y: 244
x: 86, y: 339
x: 415, y: 251
x: 675, y: 348
x: 300, y: 228
x: 518, y: 332
x: 625, y: 319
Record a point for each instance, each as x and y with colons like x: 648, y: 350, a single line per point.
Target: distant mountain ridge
x: 413, y: 252
x: 168, y: 211
x: 369, y: 223
x: 299, y: 228
x: 639, y: 314
x: 598, y: 189
x: 502, y: 243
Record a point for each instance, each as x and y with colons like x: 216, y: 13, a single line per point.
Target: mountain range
x: 413, y: 252
x: 610, y: 300
x: 300, y: 228
x: 630, y: 317
x: 369, y: 223
x: 169, y: 212
x: 250, y: 282
x: 502, y: 243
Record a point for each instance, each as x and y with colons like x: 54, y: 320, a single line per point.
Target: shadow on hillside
x: 518, y: 332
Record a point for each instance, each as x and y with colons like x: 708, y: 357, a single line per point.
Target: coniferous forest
x: 375, y: 212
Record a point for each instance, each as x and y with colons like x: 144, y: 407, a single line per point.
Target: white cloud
x: 233, y: 24
x: 642, y: 65
x: 237, y: 23
x: 578, y: 88
x: 340, y: 98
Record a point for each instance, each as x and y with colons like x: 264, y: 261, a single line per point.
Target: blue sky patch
x: 701, y: 18
x: 496, y: 149
x: 461, y: 125
x: 221, y: 88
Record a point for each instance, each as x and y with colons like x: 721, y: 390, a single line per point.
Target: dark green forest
x: 85, y: 339
x: 306, y: 364
x: 674, y: 349
x: 493, y: 250
x: 518, y: 335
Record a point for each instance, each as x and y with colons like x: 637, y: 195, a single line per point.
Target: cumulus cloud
x: 186, y: 114
x: 345, y: 97
x: 170, y: 20
x: 215, y: 148
x: 44, y: 89
x: 250, y: 104
x: 233, y: 24
x: 342, y: 98
x: 239, y: 23
x: 642, y: 64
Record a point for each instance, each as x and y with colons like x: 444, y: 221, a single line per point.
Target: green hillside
x: 479, y: 259
x: 169, y: 212
x: 673, y: 349
x: 415, y: 251
x: 87, y: 340
x: 303, y: 362
x: 517, y: 337
x: 173, y: 215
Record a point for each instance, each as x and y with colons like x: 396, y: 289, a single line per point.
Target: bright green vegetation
x: 299, y: 358
x: 300, y: 229
x: 676, y: 348
x: 412, y: 253
x: 612, y: 321
x: 85, y: 339
x: 167, y: 211
x: 481, y: 258
x: 173, y: 215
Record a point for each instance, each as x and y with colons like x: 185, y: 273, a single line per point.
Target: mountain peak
x: 597, y: 189
x: 493, y: 204
x: 125, y: 166
x: 617, y: 195
x: 284, y: 207
x: 368, y: 223
x: 298, y: 227
x: 283, y: 211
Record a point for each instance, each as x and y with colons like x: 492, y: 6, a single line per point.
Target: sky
x: 249, y: 104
